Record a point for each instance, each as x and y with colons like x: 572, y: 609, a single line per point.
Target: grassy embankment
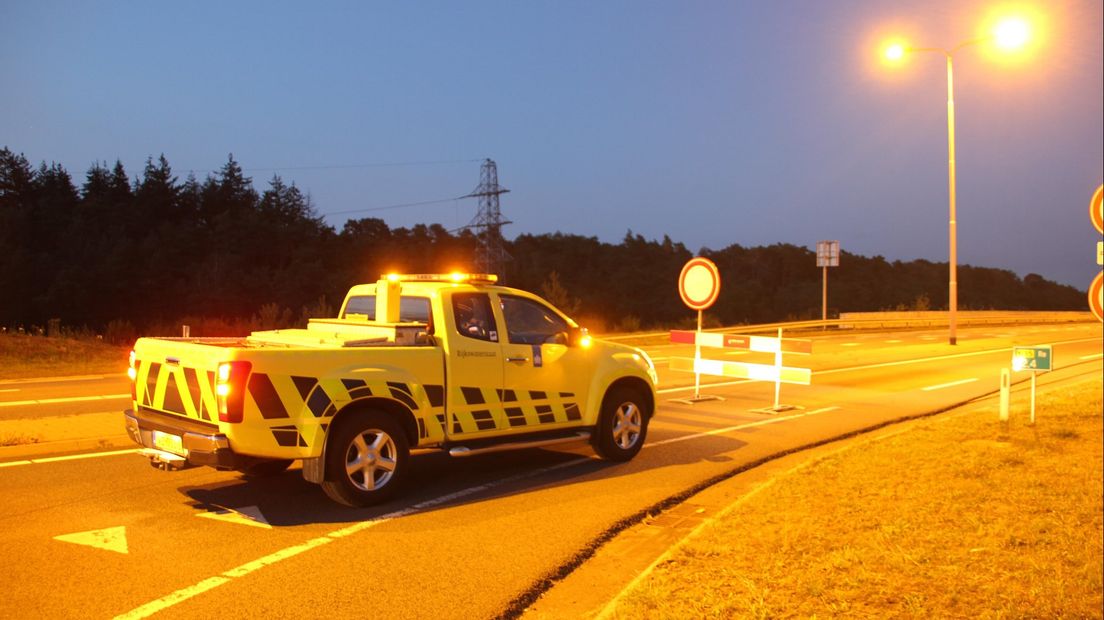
x: 24, y: 357
x: 948, y: 519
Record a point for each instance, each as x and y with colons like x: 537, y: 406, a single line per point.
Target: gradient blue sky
x: 712, y: 122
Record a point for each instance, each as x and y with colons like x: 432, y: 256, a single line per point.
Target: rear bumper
x: 203, y: 443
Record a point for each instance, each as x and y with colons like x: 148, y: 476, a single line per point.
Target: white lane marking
x: 941, y: 386
x: 894, y: 341
x: 71, y: 457
x: 720, y: 431
x: 9, y: 390
x: 176, y: 597
x: 278, y: 556
x: 70, y: 399
x: 1091, y: 357
x: 933, y: 359
x: 184, y: 594
x: 704, y: 385
x: 851, y: 344
x: 57, y: 379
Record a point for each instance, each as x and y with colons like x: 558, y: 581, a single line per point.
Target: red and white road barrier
x: 776, y: 373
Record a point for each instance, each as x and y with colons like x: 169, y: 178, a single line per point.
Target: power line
x: 381, y: 164
x: 396, y: 206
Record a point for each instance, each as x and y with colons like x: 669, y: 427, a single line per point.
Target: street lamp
x: 1009, y: 35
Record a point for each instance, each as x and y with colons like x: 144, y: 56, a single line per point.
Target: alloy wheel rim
x: 371, y: 460
x: 627, y: 425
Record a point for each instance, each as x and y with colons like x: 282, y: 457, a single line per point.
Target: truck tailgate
x: 177, y: 376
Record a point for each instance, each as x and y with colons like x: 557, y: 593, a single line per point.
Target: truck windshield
x: 411, y: 309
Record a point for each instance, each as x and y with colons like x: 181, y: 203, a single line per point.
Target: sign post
x: 1035, y: 359
x: 699, y: 286
x: 827, y: 256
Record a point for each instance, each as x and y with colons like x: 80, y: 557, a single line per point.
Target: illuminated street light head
x: 894, y: 52
x: 1011, y: 33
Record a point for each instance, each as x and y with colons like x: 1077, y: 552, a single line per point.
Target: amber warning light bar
x: 475, y: 278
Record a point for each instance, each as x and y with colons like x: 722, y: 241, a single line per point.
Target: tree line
x: 128, y: 256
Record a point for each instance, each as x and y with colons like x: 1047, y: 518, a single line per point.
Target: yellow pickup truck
x: 451, y: 362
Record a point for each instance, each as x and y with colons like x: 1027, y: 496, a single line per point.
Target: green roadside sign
x: 1039, y: 359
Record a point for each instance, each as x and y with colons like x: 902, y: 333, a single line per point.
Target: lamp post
x: 1008, y: 34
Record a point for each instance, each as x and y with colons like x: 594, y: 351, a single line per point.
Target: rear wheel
x: 366, y: 459
x: 622, y: 425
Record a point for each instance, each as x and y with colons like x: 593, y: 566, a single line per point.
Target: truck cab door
x: 546, y: 377
x: 474, y: 359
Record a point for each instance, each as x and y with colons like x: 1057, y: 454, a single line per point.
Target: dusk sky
x: 712, y: 122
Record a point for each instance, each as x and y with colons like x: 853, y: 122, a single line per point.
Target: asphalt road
x: 472, y: 536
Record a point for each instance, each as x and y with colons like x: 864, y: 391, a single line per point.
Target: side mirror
x: 578, y: 337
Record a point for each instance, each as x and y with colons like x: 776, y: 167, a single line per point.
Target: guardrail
x: 880, y: 320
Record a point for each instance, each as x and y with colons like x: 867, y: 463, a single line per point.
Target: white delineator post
x: 778, y: 365
x: 1033, y: 375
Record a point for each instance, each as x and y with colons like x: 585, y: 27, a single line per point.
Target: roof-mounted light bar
x: 470, y: 278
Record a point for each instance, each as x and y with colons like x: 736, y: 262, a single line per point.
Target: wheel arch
x: 639, y: 386
x: 401, y: 412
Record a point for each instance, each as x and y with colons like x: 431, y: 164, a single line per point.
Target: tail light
x: 230, y: 390
x: 132, y: 372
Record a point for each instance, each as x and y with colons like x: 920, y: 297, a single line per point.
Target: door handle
x: 517, y: 359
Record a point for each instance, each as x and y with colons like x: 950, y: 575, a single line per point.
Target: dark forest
x: 124, y: 256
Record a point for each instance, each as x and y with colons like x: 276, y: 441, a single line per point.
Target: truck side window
x: 529, y: 322
x: 411, y: 309
x: 474, y: 317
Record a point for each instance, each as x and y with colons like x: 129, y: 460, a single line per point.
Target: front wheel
x: 622, y: 425
x: 366, y: 460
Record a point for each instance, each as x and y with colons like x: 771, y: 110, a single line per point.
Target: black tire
x: 366, y: 459
x: 622, y: 425
x: 266, y: 469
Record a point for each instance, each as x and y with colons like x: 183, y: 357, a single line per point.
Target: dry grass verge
x: 23, y: 357
x: 940, y: 521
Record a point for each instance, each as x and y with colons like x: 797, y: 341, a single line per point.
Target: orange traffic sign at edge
x: 1096, y: 296
x: 1096, y: 209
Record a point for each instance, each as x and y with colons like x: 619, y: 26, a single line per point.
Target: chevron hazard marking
x: 110, y: 539
x: 246, y: 515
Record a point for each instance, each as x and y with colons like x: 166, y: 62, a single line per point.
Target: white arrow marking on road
x: 111, y: 539
x: 247, y: 515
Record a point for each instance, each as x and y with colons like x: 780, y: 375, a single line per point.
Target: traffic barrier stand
x: 776, y: 372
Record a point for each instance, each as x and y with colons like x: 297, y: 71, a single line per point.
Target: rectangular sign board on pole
x: 827, y: 253
x: 1039, y: 359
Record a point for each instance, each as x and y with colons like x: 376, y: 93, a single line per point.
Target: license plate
x: 169, y: 443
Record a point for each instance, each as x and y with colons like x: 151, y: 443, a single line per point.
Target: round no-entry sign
x: 699, y: 283
x: 1096, y: 296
